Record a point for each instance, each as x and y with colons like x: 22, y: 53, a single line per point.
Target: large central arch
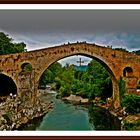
x: 115, y: 94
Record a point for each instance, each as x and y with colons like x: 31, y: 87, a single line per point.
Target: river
x: 66, y: 116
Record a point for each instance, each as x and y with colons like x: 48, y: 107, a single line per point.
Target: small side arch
x: 26, y: 67
x: 127, y: 72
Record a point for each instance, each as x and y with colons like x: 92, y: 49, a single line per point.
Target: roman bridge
x: 118, y: 63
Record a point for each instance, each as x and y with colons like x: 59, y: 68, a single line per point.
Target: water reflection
x: 102, y: 119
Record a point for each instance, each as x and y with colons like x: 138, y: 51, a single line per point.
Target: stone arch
x: 26, y: 66
x: 115, y: 94
x: 7, y: 85
x: 127, y: 72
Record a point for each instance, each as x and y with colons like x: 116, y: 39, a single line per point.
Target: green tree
x: 100, y: 80
x: 27, y: 67
x: 50, y: 74
x: 7, y: 46
x: 46, y: 78
x: 67, y: 76
x: 121, y: 84
x: 122, y: 49
x: 137, y: 52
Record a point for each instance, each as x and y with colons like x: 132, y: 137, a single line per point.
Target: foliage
x: 122, y: 49
x: 50, y: 75
x: 95, y: 81
x: 121, y: 84
x: 7, y: 46
x: 99, y: 79
x: 137, y: 52
x: 27, y: 67
x: 138, y: 85
x: 131, y: 126
x: 132, y: 103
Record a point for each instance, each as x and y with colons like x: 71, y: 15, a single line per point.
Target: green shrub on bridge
x: 121, y: 84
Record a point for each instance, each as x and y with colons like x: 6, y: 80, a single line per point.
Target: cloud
x: 37, y: 41
x: 45, y: 28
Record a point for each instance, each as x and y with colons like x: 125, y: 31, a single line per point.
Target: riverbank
x: 14, y: 112
x: 132, y: 122
x: 128, y: 121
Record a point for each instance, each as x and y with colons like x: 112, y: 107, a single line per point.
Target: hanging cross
x: 80, y: 61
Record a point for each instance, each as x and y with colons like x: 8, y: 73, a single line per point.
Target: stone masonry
x: 115, y: 62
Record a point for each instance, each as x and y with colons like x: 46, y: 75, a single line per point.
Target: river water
x: 66, y: 116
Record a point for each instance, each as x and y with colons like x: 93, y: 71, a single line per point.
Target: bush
x: 64, y: 91
x: 138, y: 86
x: 132, y: 104
x: 131, y: 126
x: 121, y: 84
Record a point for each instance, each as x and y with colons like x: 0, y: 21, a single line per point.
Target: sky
x: 47, y: 28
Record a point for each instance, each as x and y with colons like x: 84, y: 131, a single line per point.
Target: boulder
x: 77, y: 99
x: 84, y: 101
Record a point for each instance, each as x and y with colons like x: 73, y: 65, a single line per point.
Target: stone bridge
x: 118, y: 63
